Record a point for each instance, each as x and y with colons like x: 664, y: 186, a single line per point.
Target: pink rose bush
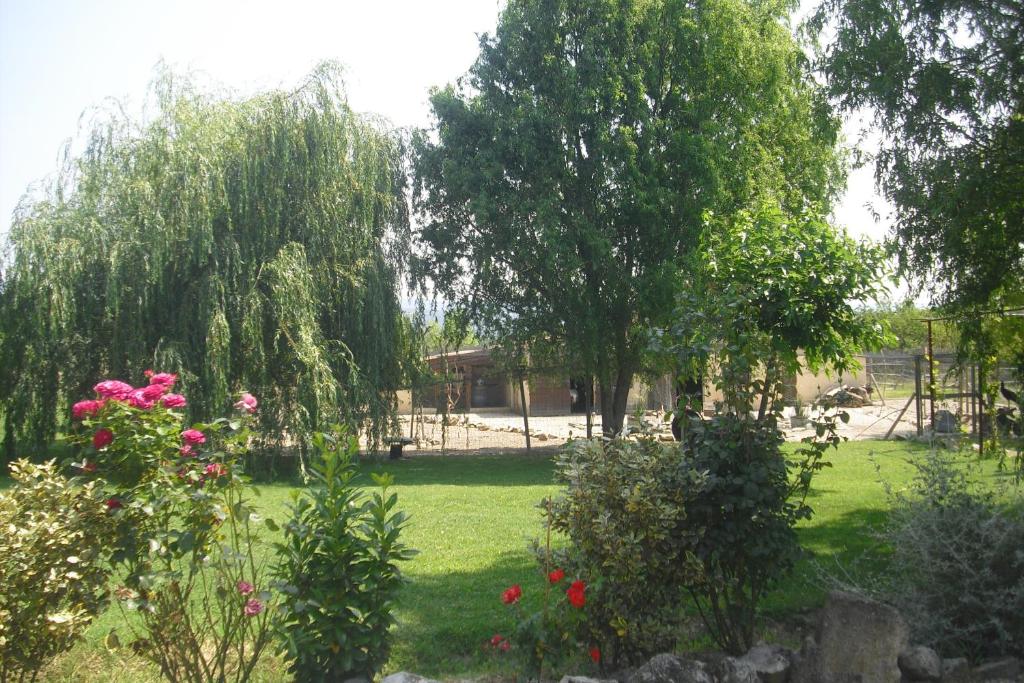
x: 177, y: 500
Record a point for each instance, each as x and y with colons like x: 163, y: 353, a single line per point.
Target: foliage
x: 570, y: 171
x: 957, y: 568
x: 626, y: 511
x: 251, y: 243
x: 53, y: 571
x: 547, y: 640
x: 943, y: 81
x: 183, y: 536
x: 774, y: 294
x: 337, y: 569
x: 904, y: 322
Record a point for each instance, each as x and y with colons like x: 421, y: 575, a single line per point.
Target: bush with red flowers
x: 183, y: 528
x: 547, y: 641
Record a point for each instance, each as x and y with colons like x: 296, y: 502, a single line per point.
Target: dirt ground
x: 496, y: 430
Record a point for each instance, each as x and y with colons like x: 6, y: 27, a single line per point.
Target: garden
x: 208, y: 316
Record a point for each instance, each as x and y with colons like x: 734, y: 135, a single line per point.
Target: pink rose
x: 193, y: 436
x: 114, y: 504
x: 102, y: 438
x: 154, y: 391
x: 185, y: 450
x: 113, y: 388
x: 167, y: 379
x: 247, y: 403
x: 253, y: 607
x: 86, y: 409
x: 173, y: 401
x: 137, y: 399
x: 215, y: 469
x: 245, y: 588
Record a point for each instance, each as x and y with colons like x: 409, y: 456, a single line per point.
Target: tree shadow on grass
x: 475, y: 470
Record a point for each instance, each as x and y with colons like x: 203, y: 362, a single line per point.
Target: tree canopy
x: 567, y: 177
x: 243, y: 243
x: 945, y: 82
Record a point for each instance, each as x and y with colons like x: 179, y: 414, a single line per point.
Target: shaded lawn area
x: 472, y: 518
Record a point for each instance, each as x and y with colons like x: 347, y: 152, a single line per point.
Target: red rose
x: 165, y: 378
x: 512, y: 595
x: 86, y: 409
x: 576, y: 594
x: 154, y: 391
x: 504, y: 646
x: 193, y: 436
x: 595, y: 654
x: 173, y: 401
x: 496, y: 639
x: 102, y: 438
x: 114, y: 504
x: 556, y: 576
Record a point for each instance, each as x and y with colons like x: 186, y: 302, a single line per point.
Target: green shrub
x: 626, y: 513
x: 53, y: 573
x: 338, y: 569
x: 957, y: 568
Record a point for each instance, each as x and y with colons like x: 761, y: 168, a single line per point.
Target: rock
x: 732, y: 670
x: 956, y: 670
x: 1004, y: 667
x: 583, y: 679
x: 945, y: 422
x: 541, y: 437
x: 920, y: 663
x: 771, y: 662
x: 406, y: 677
x: 666, y: 668
x: 858, y: 640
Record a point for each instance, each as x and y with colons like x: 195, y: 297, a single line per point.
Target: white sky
x: 60, y: 57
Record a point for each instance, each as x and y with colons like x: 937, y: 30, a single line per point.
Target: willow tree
x: 244, y: 243
x: 564, y: 186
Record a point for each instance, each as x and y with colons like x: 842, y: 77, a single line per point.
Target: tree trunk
x: 613, y: 402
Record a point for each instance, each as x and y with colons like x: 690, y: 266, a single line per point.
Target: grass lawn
x: 472, y: 518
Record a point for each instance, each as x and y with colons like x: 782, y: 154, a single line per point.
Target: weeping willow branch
x: 252, y: 244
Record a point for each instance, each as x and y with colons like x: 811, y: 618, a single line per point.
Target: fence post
x: 917, y: 392
x: 526, y: 410
x: 589, y: 403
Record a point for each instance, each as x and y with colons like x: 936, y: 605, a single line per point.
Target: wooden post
x: 984, y: 408
x: 526, y: 410
x: 917, y: 393
x: 931, y: 374
x: 588, y: 390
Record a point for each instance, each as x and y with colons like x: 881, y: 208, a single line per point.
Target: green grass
x: 471, y: 520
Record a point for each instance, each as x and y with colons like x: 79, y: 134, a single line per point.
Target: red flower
x: 556, y: 576
x: 102, y: 438
x: 496, y: 639
x: 595, y: 654
x: 89, y: 466
x: 114, y: 504
x: 86, y: 409
x: 148, y: 374
x: 504, y: 645
x: 193, y: 436
x: 576, y: 594
x: 216, y: 469
x: 512, y: 595
x: 164, y: 378
x: 253, y: 607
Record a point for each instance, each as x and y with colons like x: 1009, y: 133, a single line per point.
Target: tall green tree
x: 567, y: 175
x: 944, y: 80
x: 249, y: 244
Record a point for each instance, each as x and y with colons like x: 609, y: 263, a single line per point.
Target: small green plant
x: 338, y: 571
x: 626, y: 512
x: 53, y: 573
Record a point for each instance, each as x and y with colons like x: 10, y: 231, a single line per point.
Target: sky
x: 59, y: 58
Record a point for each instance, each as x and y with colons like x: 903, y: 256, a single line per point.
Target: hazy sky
x: 60, y: 57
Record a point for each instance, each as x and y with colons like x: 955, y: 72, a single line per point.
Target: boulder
x: 771, y: 662
x: 956, y: 670
x: 998, y: 669
x: 666, y: 668
x: 920, y: 663
x: 945, y: 422
x: 406, y: 677
x: 732, y: 670
x: 858, y: 640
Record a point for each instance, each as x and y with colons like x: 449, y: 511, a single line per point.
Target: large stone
x: 920, y: 663
x: 732, y: 670
x: 666, y: 668
x: 956, y: 670
x: 771, y: 662
x: 998, y: 669
x: 858, y: 640
x: 406, y: 677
